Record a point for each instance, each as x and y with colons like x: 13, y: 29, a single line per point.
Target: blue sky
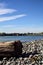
x: 21, y: 16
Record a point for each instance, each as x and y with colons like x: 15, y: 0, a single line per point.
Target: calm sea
x: 21, y: 38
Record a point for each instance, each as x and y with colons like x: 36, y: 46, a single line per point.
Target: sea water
x: 21, y: 38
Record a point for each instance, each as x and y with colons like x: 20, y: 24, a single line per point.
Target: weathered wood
x: 10, y: 48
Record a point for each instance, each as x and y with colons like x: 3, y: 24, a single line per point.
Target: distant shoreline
x: 21, y: 34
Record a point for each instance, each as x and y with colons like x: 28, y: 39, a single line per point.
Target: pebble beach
x: 32, y: 54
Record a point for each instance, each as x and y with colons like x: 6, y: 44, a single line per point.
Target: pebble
x: 31, y: 59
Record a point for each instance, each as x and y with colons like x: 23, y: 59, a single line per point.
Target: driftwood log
x: 10, y: 48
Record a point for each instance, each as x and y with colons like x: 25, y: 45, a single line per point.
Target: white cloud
x: 11, y: 17
x: 6, y: 11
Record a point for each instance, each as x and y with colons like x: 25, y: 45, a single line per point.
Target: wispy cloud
x: 6, y: 11
x: 7, y: 26
x: 11, y: 17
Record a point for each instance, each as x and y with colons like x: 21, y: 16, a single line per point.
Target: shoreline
x: 32, y: 53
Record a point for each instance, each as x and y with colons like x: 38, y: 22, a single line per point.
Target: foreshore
x: 32, y: 54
